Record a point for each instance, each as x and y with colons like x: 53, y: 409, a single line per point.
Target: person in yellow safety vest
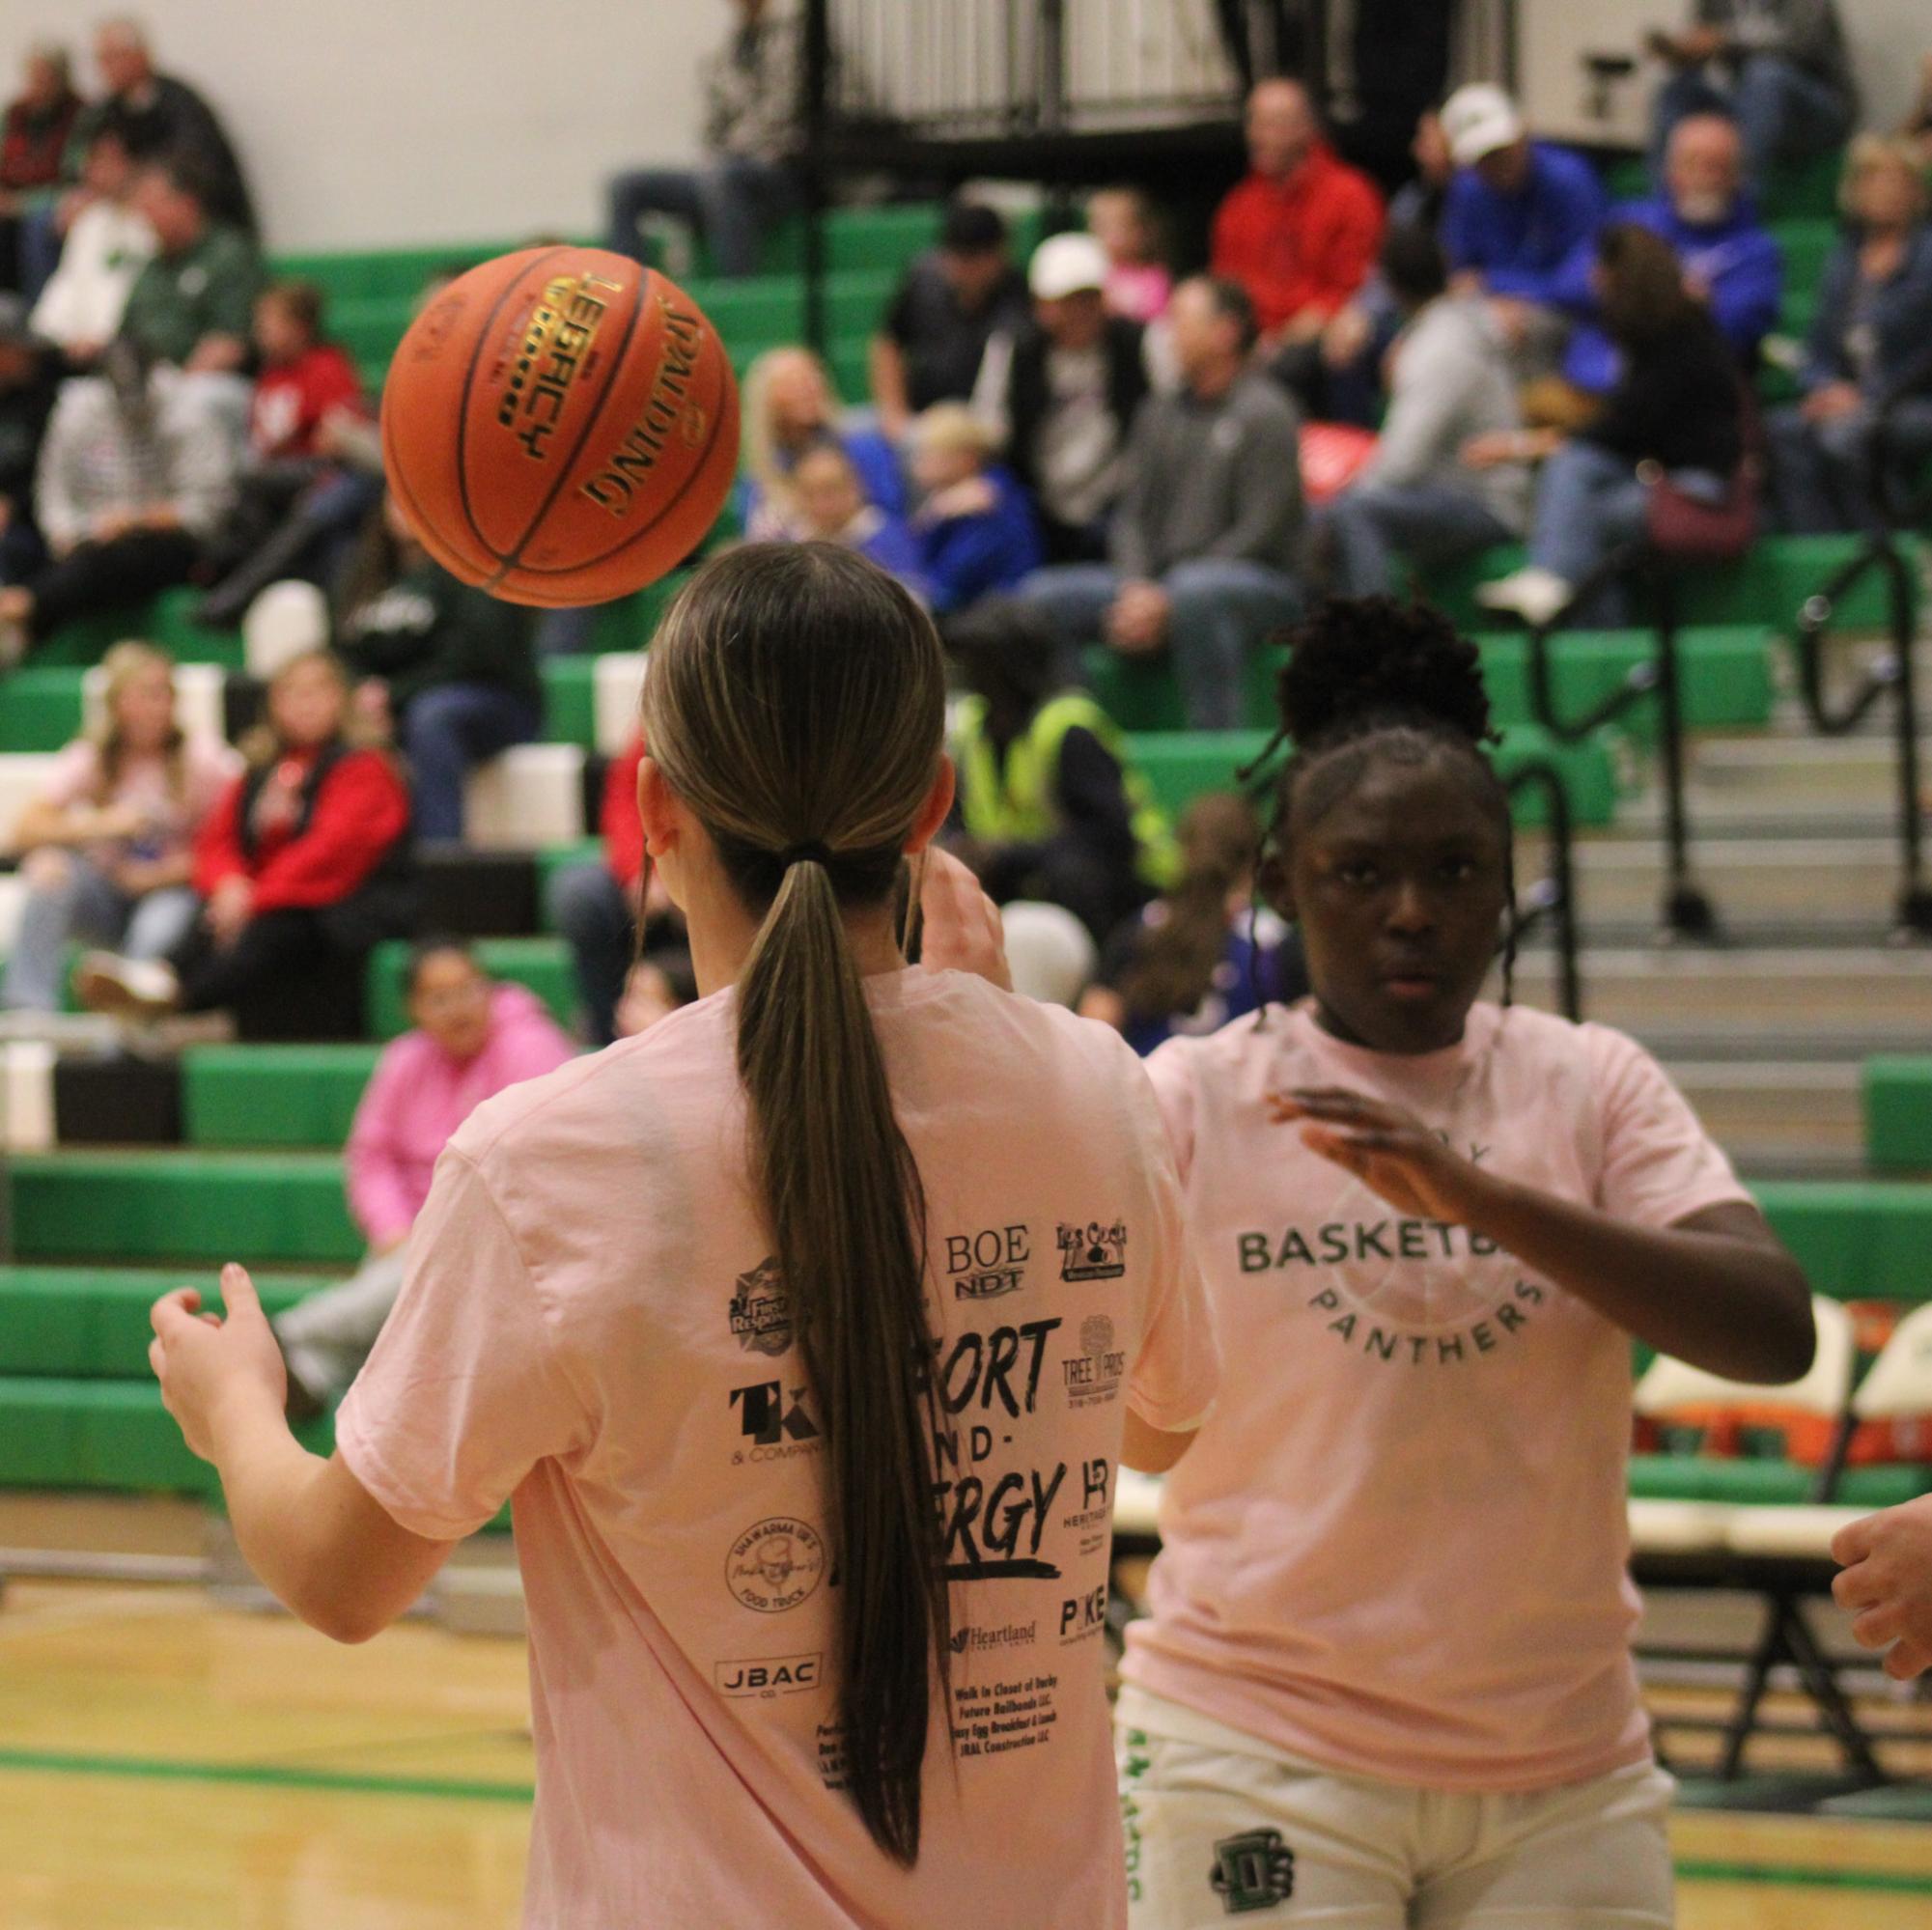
x: 1051, y: 806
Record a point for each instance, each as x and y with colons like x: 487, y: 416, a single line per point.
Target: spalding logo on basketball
x: 560, y: 426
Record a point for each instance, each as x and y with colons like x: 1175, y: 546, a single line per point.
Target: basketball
x: 560, y: 426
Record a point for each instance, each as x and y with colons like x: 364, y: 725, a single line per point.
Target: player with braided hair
x: 1385, y: 1679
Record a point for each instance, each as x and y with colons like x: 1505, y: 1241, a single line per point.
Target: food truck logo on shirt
x: 1093, y: 1251
x: 775, y: 1564
x: 761, y: 1310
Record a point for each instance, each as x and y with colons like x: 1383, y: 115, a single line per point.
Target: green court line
x: 1913, y: 1882
x: 162, y: 1769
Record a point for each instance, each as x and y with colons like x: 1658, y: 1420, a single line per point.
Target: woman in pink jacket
x: 471, y: 1039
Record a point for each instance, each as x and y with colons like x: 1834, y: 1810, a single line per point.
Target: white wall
x: 373, y: 122
x: 1889, y: 37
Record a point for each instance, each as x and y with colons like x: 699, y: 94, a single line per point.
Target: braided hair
x: 1372, y: 678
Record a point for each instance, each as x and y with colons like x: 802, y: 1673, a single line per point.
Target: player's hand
x: 230, y: 909
x: 960, y: 924
x: 1886, y: 1580
x: 1387, y: 1149
x: 204, y: 1363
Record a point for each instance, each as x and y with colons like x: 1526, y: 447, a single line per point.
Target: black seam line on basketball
x: 463, y: 404
x: 645, y: 528
x: 513, y: 560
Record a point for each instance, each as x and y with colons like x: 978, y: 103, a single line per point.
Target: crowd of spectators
x: 1077, y: 452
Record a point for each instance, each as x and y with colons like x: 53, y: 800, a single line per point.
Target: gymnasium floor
x: 169, y: 1765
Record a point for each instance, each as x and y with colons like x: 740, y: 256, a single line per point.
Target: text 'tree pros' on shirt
x: 1397, y: 1548
x: 591, y: 1321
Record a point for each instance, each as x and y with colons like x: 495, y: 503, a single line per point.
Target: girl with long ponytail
x: 808, y: 1332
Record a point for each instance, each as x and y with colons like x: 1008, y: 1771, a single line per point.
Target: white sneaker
x: 126, y: 988
x: 1534, y: 594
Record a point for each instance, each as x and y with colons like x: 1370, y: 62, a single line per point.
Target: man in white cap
x: 1062, y: 390
x: 1515, y: 211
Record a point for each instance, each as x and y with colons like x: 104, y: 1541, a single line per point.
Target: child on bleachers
x: 299, y: 499
x: 975, y: 529
x: 832, y: 508
x: 1050, y: 808
x: 470, y: 1040
x: 1122, y: 220
x: 450, y: 670
x: 302, y: 867
x: 790, y: 407
x: 109, y: 841
x: 1204, y: 952
x: 1392, y: 1580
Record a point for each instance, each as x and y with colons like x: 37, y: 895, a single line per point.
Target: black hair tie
x: 812, y: 851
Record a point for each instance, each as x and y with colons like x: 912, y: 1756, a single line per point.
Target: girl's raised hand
x: 960, y: 927
x: 1388, y: 1150
x: 203, y: 1362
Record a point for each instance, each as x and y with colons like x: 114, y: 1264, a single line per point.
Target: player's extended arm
x: 307, y: 1528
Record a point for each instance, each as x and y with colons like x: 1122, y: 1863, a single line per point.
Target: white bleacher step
x: 1659, y: 1526
x: 1797, y: 1533
x: 617, y: 683
x: 23, y: 776
x: 530, y: 798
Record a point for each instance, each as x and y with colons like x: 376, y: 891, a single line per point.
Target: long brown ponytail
x: 795, y: 701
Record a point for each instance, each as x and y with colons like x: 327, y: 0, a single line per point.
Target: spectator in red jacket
x: 302, y: 862
x: 1300, y: 233
x: 595, y: 906
x: 307, y: 483
x: 33, y: 149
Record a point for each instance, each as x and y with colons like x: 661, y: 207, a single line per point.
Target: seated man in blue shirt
x: 1731, y: 261
x: 1516, y: 211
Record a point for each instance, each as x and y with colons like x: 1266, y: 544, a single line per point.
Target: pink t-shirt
x: 417, y: 1096
x: 1398, y: 1547
x: 591, y: 1321
x: 1138, y: 290
x: 206, y: 769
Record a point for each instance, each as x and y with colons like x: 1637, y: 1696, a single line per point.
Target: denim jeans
x: 732, y: 201
x: 446, y: 733
x: 88, y: 906
x: 588, y: 906
x: 1818, y: 469
x: 1783, y: 114
x: 1425, y: 525
x: 1588, y: 501
x: 1220, y: 608
x: 326, y: 1337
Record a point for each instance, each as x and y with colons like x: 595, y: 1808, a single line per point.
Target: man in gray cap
x: 1062, y: 388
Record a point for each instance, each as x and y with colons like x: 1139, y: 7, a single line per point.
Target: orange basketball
x: 560, y: 426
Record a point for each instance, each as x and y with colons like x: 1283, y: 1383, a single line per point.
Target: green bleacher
x: 1898, y: 1116
x: 101, y: 1233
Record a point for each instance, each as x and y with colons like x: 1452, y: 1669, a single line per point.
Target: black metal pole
x: 1915, y: 896
x: 815, y: 82
x: 1687, y: 910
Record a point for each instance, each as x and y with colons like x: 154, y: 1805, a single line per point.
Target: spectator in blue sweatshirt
x: 1517, y: 211
x: 1731, y: 261
x: 975, y: 529
x: 832, y: 508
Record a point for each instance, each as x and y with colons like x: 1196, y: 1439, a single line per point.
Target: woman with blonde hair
x: 299, y: 869
x: 108, y: 841
x: 1868, y: 356
x: 790, y: 407
x: 806, y: 1328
